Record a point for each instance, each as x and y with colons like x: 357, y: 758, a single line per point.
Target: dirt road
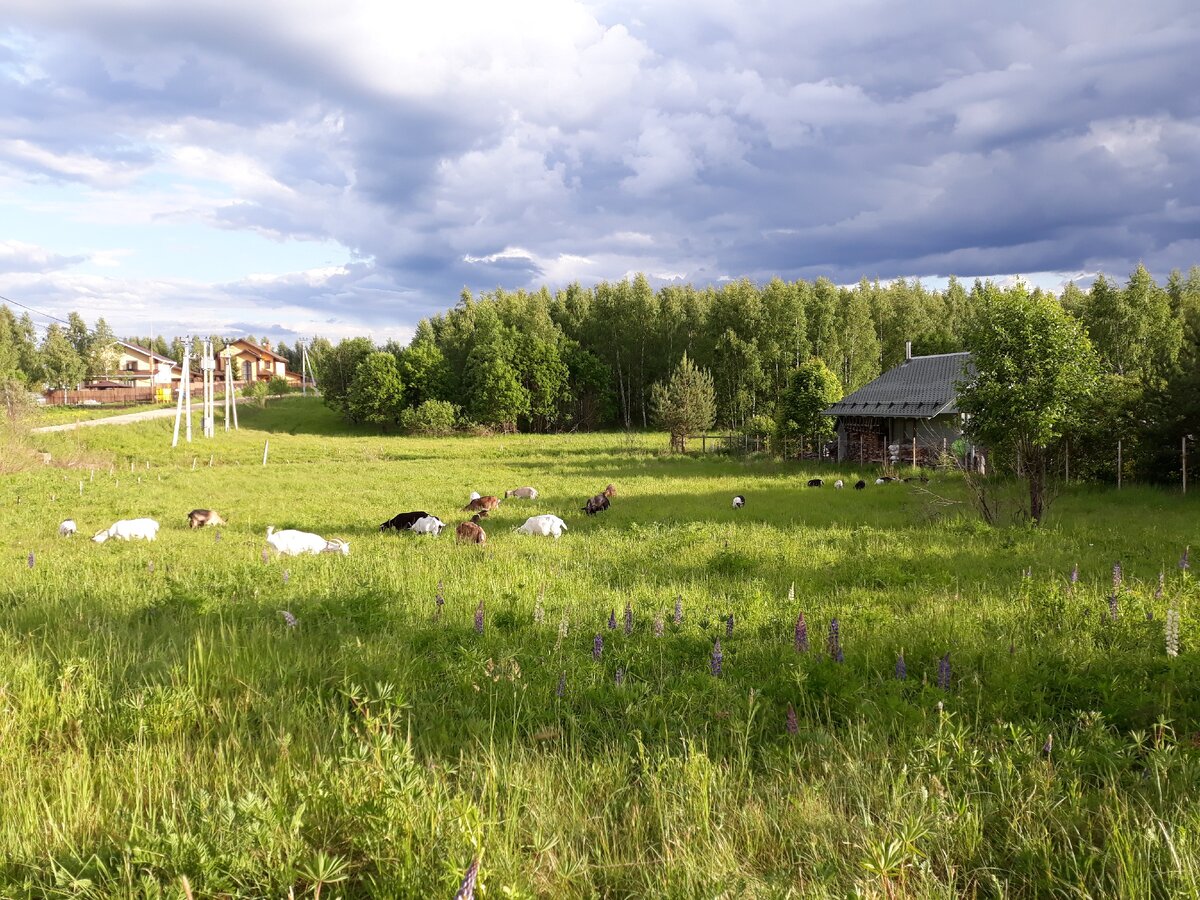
x: 125, y: 419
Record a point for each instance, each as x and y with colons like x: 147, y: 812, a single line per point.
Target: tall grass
x: 165, y: 721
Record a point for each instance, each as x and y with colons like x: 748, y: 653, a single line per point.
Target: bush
x: 433, y: 417
x: 278, y: 386
x: 756, y: 425
x: 257, y: 391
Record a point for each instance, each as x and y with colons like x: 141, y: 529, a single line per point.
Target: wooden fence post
x: 914, y: 451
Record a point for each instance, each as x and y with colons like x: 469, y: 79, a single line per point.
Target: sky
x: 340, y: 167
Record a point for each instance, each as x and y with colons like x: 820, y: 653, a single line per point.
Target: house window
x: 131, y: 366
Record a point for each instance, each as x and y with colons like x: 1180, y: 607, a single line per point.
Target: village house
x: 138, y: 367
x: 909, y: 408
x: 255, y: 363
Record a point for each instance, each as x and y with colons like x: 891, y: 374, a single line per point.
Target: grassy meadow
x: 161, y: 720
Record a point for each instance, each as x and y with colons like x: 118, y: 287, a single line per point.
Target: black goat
x: 403, y: 521
x: 816, y: 482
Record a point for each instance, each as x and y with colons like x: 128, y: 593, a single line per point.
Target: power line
x: 32, y: 310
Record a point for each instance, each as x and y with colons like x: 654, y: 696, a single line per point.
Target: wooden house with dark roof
x: 255, y: 362
x: 914, y: 401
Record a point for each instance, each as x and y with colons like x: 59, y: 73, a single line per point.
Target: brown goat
x: 600, y: 502
x: 471, y: 532
x: 198, y: 518
x: 482, y: 504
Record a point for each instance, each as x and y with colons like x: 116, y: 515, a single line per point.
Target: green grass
x: 159, y: 719
x: 62, y: 415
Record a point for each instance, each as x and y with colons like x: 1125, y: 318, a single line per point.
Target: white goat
x: 524, y: 493
x: 428, y: 525
x: 839, y: 483
x: 67, y: 528
x: 129, y: 530
x: 290, y: 542
x: 739, y: 501
x: 545, y: 526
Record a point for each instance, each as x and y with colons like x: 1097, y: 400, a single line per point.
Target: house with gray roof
x: 915, y: 400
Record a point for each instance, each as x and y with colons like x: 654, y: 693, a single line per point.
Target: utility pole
x: 303, y: 370
x: 187, y: 387
x: 179, y: 405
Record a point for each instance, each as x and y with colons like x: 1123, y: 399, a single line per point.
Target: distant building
x: 916, y: 399
x: 255, y: 362
x: 139, y: 367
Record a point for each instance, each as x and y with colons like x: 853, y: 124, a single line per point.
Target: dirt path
x: 125, y: 419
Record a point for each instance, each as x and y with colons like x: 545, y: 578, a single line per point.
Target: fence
x: 122, y: 396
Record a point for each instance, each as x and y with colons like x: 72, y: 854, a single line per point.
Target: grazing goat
x: 482, y: 505
x: 600, y: 502
x: 290, y: 542
x: 815, y: 482
x: 920, y: 478
x: 429, y: 525
x: 129, y: 530
x: 403, y: 521
x: 523, y: 493
x: 67, y: 528
x: 471, y: 532
x: 739, y: 501
x: 474, y: 495
x: 859, y: 485
x: 545, y: 526
x: 839, y: 484
x: 198, y: 518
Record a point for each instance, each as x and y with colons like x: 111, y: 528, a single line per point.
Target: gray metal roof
x: 919, y: 388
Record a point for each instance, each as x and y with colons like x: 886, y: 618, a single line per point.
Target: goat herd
x: 291, y: 542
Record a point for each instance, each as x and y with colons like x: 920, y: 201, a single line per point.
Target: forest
x: 589, y: 357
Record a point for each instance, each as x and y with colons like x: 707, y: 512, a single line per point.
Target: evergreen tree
x: 685, y: 404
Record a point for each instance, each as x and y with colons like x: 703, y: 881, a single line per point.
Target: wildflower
x: 1172, y: 633
x: 1117, y: 576
x: 620, y: 676
x: 943, y: 676
x: 718, y: 657
x: 31, y: 559
x: 1113, y: 610
x: 1184, y: 562
x: 467, y: 891
x: 792, y: 593
x: 1027, y: 573
x: 150, y: 567
x: 658, y: 625
x: 941, y: 707
x: 729, y: 626
x: 286, y: 576
x: 792, y: 725
x: 1162, y: 581
x: 564, y: 626
x: 612, y: 620
x: 597, y: 647
x: 265, y: 556
x: 439, y: 601
x: 539, y: 612
x: 1074, y: 576
x: 288, y: 618
x: 833, y: 643
x: 901, y: 668
x: 217, y: 538
x: 562, y: 684
x: 1048, y: 747
x: 479, y: 618
x: 628, y: 619
x: 801, y: 636
x: 679, y: 609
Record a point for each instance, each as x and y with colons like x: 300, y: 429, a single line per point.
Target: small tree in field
x: 811, y: 388
x: 686, y: 403
x: 376, y: 394
x: 1034, y: 366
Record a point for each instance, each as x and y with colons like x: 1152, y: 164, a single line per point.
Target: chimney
x: 907, y: 350
x: 267, y: 344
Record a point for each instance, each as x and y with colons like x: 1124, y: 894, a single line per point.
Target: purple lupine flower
x: 1184, y: 562
x: 562, y: 684
x: 628, y: 619
x: 32, y: 560
x: 1113, y: 610
x: 1117, y: 576
x: 714, y: 664
x: 729, y: 626
x: 833, y: 643
x: 1172, y: 632
x: 289, y: 618
x: 801, y: 637
x: 467, y: 891
x: 439, y: 600
x: 150, y: 567
x: 265, y: 555
x: 597, y: 646
x: 792, y: 725
x: 1162, y: 581
x: 620, y: 676
x: 612, y: 620
x: 943, y: 676
x: 287, y: 575
x: 479, y: 618
x: 658, y: 625
x: 1074, y: 575
x: 1048, y: 747
x: 901, y: 668
x: 679, y: 609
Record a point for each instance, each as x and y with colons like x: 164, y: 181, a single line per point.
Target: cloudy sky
x: 341, y: 167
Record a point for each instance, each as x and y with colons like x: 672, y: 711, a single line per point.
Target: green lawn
x: 160, y: 719
x: 61, y: 415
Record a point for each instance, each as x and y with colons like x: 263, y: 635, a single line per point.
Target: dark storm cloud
x: 700, y: 140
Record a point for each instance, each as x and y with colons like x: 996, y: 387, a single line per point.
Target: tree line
x: 590, y: 357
